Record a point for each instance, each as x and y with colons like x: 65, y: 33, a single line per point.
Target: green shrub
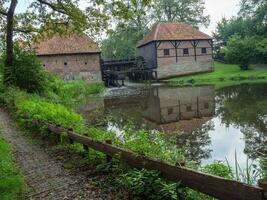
x: 218, y: 168
x: 70, y: 93
x: 146, y: 184
x: 32, y: 107
x: 37, y: 109
x: 28, y: 73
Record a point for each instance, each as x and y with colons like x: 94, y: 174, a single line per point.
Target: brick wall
x: 74, y: 66
x: 169, y: 65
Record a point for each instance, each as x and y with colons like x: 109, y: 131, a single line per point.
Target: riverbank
x: 224, y: 75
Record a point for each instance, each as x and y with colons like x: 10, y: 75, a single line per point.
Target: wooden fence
x: 215, y: 186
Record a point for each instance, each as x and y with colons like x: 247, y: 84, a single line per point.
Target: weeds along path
x: 45, y: 176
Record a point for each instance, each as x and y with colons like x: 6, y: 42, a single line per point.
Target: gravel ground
x: 45, y: 173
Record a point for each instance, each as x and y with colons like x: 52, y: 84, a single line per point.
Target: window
x: 85, y: 63
x: 188, y: 108
x: 203, y: 50
x: 170, y: 111
x: 166, y: 52
x: 206, y: 105
x: 186, y: 52
x: 65, y: 63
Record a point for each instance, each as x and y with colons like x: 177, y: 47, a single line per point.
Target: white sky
x: 218, y: 9
x: 215, y: 8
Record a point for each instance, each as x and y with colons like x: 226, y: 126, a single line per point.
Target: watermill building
x: 177, y: 49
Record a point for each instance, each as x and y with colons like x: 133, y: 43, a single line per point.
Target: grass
x: 224, y: 75
x: 11, y: 181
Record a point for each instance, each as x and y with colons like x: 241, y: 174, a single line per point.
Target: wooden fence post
x: 263, y: 184
x: 70, y: 140
x: 56, y: 136
x: 86, y: 149
x: 109, y: 158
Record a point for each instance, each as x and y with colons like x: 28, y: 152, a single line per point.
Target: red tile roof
x: 69, y: 44
x: 173, y: 31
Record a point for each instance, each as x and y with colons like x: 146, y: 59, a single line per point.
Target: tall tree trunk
x: 9, y: 68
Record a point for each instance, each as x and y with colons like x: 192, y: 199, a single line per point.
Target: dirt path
x: 45, y: 176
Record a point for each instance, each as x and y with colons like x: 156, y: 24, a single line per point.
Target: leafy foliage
x: 148, y: 185
x: 69, y: 93
x: 28, y: 72
x: 121, y: 43
x: 218, y: 168
x: 250, y: 24
x: 240, y: 50
x: 190, y: 11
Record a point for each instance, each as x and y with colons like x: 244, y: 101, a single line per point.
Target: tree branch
x: 3, y: 12
x: 52, y: 6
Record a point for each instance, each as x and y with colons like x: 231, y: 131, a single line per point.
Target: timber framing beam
x: 176, y: 44
x: 194, y: 43
x: 158, y: 44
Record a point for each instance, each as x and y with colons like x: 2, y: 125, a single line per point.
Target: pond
x: 226, y: 124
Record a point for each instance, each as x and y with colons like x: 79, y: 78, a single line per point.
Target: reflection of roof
x: 173, y: 31
x: 187, y: 126
x: 70, y: 44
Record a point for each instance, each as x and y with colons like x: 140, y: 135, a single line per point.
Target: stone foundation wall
x: 186, y: 67
x: 91, y: 77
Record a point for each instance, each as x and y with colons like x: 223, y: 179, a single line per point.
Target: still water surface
x: 210, y: 124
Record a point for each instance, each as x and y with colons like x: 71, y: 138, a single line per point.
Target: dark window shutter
x: 203, y: 50
x: 166, y: 52
x: 186, y: 52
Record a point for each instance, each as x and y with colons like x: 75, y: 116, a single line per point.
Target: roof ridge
x: 62, y: 44
x: 174, y: 31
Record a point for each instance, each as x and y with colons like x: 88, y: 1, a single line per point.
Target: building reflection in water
x: 181, y: 111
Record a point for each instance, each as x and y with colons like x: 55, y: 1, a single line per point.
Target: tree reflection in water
x: 196, y: 143
x: 245, y: 107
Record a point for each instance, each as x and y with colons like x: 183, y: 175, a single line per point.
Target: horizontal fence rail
x: 215, y: 186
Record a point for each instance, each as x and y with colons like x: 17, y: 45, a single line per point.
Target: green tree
x: 134, y: 13
x: 132, y: 18
x: 188, y: 11
x: 240, y: 50
x: 121, y: 43
x: 250, y: 22
x: 256, y: 10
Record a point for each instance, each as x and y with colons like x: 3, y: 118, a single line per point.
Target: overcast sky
x: 215, y: 8
x: 218, y: 9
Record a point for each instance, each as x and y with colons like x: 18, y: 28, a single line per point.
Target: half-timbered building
x: 177, y: 49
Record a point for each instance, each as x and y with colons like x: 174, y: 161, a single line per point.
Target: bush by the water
x: 27, y: 71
